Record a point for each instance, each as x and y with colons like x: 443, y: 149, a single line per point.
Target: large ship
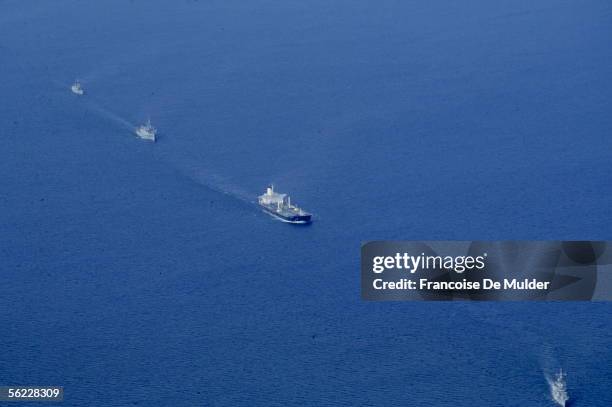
x: 279, y: 206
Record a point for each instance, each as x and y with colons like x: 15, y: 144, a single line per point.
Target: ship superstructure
x: 76, y: 88
x: 279, y: 206
x: 558, y: 389
x: 146, y: 131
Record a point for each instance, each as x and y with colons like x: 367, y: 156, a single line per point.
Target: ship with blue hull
x: 279, y: 206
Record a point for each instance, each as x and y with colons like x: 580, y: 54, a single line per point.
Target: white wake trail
x: 189, y: 167
x: 211, y: 180
x: 110, y: 115
x: 92, y: 104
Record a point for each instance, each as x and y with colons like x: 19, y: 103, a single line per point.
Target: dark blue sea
x: 141, y: 274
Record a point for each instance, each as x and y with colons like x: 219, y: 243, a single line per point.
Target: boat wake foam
x: 209, y: 179
x: 107, y: 114
x: 90, y: 103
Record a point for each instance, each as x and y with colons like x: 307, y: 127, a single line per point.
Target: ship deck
x: 291, y: 215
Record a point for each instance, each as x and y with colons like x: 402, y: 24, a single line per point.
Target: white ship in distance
x: 558, y: 389
x: 146, y: 131
x: 76, y: 88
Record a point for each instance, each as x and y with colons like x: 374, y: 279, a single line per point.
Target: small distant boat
x: 76, y: 88
x: 146, y: 131
x: 558, y: 389
x: 279, y: 206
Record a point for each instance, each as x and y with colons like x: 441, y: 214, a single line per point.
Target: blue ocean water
x: 142, y: 274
